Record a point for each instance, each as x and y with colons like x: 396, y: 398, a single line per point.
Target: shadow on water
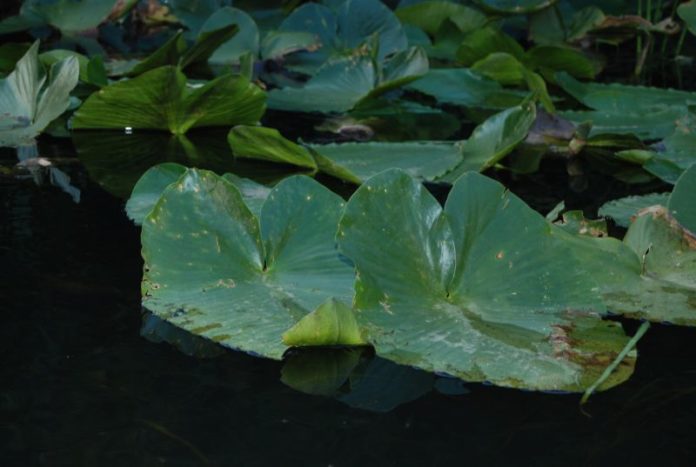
x: 80, y: 386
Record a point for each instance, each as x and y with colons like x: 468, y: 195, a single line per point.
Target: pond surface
x: 79, y: 386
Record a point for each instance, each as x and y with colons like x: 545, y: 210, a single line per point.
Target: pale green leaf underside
x: 29, y: 102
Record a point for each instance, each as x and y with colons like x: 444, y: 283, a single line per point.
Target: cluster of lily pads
x: 482, y: 288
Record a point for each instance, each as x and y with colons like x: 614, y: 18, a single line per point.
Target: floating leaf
x: 461, y: 86
x: 255, y: 142
x: 430, y: 15
x: 341, y: 84
x: 666, y: 289
x: 480, y: 43
x: 624, y: 209
x: 681, y: 202
x: 353, y: 162
x: 246, y: 40
x: 687, y: 12
x: 161, y: 99
x: 421, y: 159
x: 515, y: 7
x: 216, y: 270
x: 513, y: 293
x: 344, y: 28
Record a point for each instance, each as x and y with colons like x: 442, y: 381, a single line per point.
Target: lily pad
x: 245, y: 41
x: 161, y: 99
x: 341, y: 84
x: 343, y: 28
x: 650, y: 113
x: 27, y: 103
x: 624, y: 209
x: 681, y: 202
x: 483, y: 290
x: 216, y: 270
x: 464, y: 87
x: 515, y: 7
x: 152, y: 184
x: 353, y: 162
x: 666, y: 290
x: 493, y: 139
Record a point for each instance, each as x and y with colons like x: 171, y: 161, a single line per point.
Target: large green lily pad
x: 161, y: 99
x: 216, y: 270
x: 484, y: 290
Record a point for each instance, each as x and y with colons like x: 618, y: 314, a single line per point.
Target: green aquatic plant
x: 162, y: 99
x: 216, y: 269
x: 31, y: 100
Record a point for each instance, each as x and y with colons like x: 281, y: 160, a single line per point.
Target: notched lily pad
x: 484, y: 290
x: 215, y: 269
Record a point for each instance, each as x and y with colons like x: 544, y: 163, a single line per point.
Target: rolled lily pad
x: 493, y: 139
x: 161, y: 99
x: 624, y: 209
x: 216, y: 270
x: 27, y: 103
x: 483, y: 290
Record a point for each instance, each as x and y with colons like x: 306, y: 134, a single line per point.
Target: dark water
x: 79, y: 386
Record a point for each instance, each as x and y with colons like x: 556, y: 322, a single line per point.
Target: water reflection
x: 116, y: 160
x: 79, y: 386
